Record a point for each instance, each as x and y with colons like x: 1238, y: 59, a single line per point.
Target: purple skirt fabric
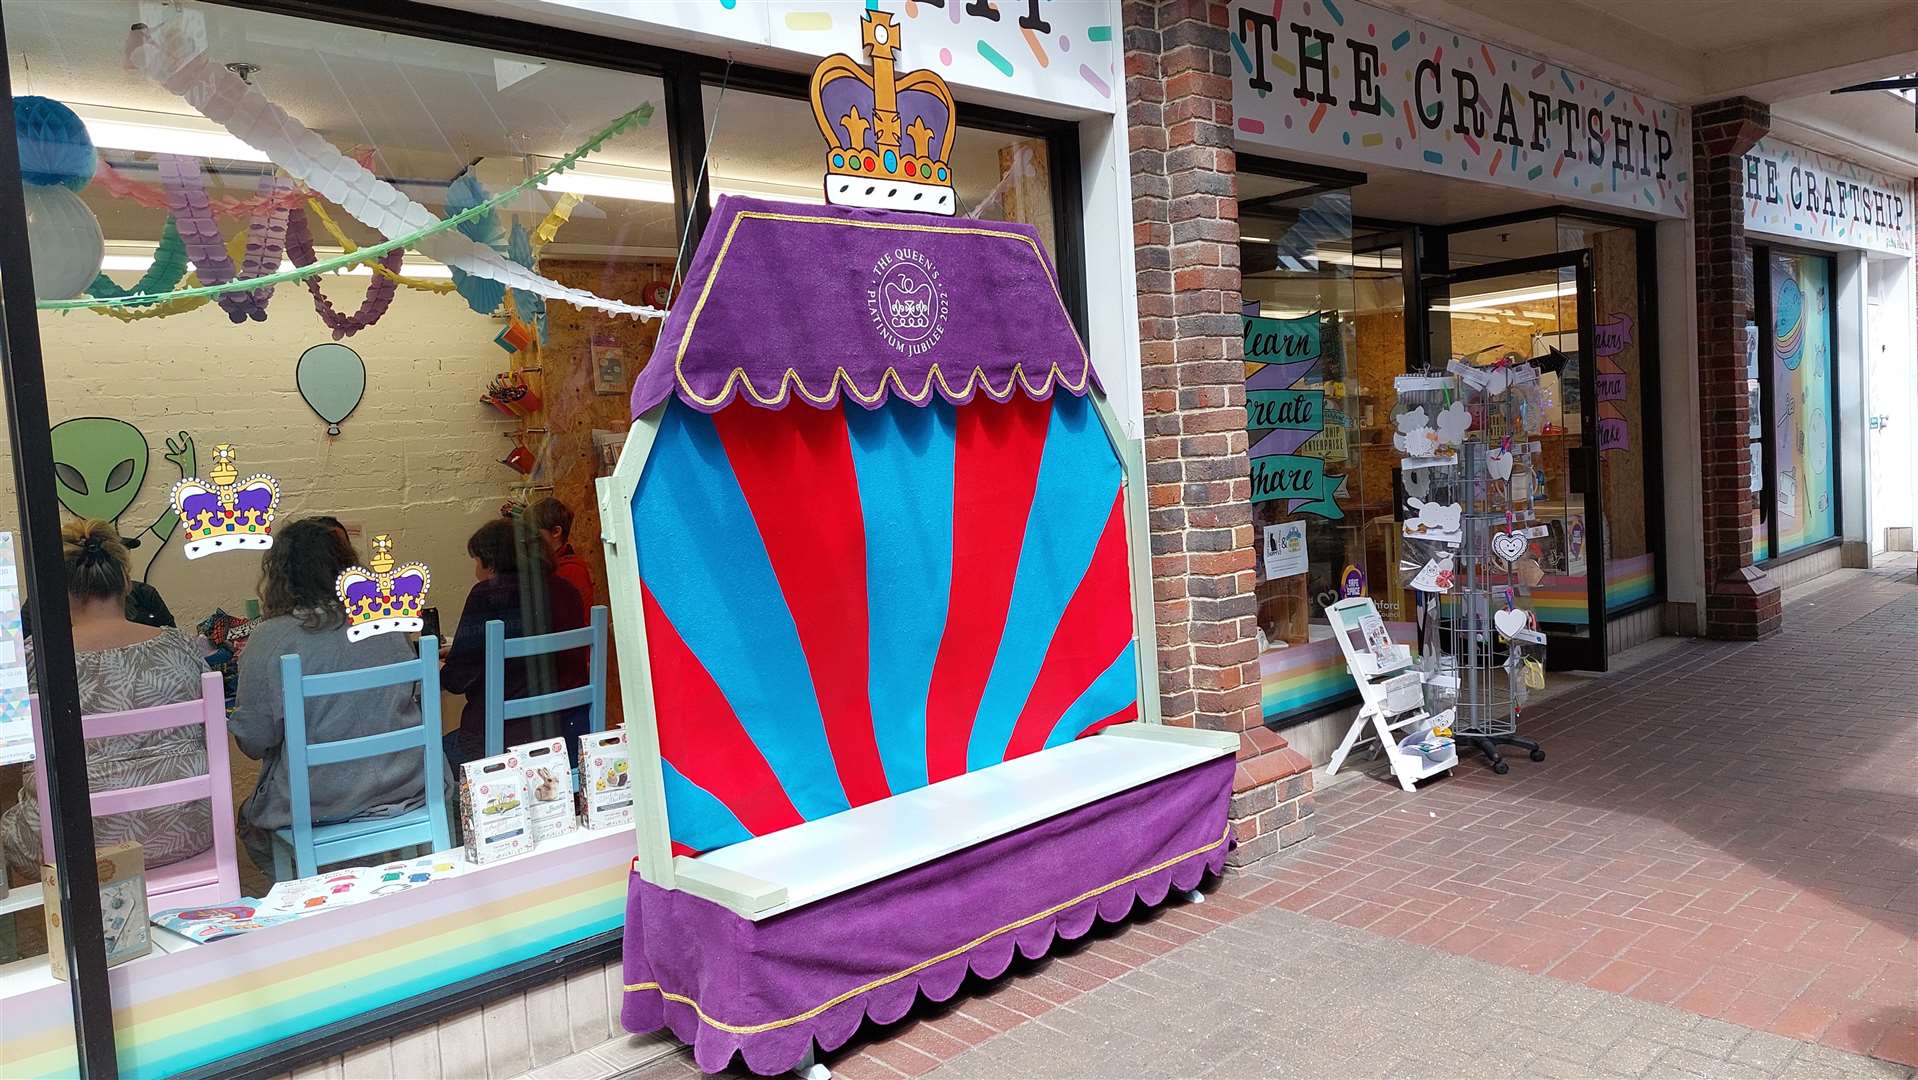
x: 767, y: 990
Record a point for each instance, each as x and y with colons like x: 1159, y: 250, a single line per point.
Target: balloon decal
x: 332, y: 379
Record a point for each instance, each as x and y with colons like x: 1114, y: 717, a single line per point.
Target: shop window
x: 1801, y: 480
x: 432, y: 438
x: 1324, y: 338
x: 771, y: 147
x: 1628, y: 465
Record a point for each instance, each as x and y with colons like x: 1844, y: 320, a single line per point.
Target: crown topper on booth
x: 381, y: 598
x: 890, y: 135
x: 222, y: 512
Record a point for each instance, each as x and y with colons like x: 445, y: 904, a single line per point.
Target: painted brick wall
x: 419, y: 459
x: 1186, y: 232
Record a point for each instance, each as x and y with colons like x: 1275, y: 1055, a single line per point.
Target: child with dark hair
x: 123, y: 663
x: 514, y: 583
x: 553, y: 520
x: 302, y: 615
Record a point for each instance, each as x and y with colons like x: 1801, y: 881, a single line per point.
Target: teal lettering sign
x: 1291, y: 410
x: 1300, y: 480
x: 1281, y: 341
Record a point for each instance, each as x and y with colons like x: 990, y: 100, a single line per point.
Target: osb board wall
x: 1622, y: 470
x: 573, y: 407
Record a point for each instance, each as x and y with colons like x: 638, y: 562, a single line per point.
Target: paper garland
x: 168, y: 270
x: 173, y: 54
x: 379, y: 291
x: 378, y: 266
x: 125, y: 187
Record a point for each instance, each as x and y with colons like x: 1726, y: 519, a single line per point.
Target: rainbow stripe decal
x: 1302, y: 678
x: 844, y: 604
x: 183, y: 1010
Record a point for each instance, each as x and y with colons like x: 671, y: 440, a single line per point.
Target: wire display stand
x: 1468, y: 549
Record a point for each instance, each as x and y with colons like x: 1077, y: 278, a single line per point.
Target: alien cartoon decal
x: 99, y: 464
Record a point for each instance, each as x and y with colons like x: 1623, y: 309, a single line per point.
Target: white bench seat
x: 793, y: 867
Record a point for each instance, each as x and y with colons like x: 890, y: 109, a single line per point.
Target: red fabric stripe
x: 682, y: 849
x: 995, y: 468
x: 798, y: 478
x: 1095, y: 627
x: 701, y: 737
x: 1123, y: 716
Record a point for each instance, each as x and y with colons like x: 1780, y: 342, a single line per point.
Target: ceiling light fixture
x: 1509, y: 297
x: 162, y: 133
x: 637, y: 184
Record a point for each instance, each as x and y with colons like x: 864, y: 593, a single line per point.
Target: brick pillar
x: 1740, y: 601
x: 1186, y: 230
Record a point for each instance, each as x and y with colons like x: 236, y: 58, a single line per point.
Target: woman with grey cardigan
x: 303, y: 616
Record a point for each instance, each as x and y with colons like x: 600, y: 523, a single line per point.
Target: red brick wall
x: 1740, y: 601
x: 1186, y: 230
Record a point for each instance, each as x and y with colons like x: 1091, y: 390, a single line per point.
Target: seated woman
x: 517, y: 586
x: 302, y: 615
x: 122, y: 664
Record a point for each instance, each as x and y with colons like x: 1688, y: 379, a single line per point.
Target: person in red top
x: 554, y: 521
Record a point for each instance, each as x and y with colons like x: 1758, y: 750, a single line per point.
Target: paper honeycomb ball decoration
x: 65, y: 240
x: 55, y: 150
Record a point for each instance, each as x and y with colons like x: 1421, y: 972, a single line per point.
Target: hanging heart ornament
x: 1510, y: 620
x: 1499, y: 464
x: 1509, y: 546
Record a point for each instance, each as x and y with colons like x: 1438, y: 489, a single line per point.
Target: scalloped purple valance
x: 787, y: 301
x: 768, y: 990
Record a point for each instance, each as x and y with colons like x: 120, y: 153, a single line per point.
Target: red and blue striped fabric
x: 845, y: 604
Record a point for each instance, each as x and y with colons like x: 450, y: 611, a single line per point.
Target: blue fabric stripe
x: 696, y: 817
x: 1115, y: 688
x: 1078, y: 478
x: 717, y: 586
x: 904, y: 459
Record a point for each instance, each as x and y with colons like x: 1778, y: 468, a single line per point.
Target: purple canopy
x: 788, y: 299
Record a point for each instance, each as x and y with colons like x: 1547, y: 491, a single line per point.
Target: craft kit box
x: 604, y: 783
x: 123, y: 906
x: 493, y: 814
x: 549, y: 787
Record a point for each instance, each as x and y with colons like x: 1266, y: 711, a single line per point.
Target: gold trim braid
x: 753, y: 1029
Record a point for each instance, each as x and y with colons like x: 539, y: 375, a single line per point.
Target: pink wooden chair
x: 211, y: 877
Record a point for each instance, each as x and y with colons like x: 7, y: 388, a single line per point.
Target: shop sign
x: 1059, y: 52
x: 1344, y: 80
x: 1799, y: 193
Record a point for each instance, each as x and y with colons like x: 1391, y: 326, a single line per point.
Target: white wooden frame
x: 745, y: 894
x: 1371, y: 675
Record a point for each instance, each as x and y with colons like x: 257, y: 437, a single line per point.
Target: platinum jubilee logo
x: 907, y: 303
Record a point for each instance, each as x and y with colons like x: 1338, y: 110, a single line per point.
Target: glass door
x: 1541, y: 310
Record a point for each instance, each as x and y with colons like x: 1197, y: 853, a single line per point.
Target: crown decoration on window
x: 220, y: 514
x: 890, y: 135
x: 380, y: 597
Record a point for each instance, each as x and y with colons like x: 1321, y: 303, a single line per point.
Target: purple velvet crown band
x: 788, y: 301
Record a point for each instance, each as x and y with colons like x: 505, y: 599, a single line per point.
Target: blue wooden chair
x: 500, y: 648
x: 307, y: 846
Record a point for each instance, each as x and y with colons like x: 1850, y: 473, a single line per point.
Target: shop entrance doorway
x: 1542, y: 309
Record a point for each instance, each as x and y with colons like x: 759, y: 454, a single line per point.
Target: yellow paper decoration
x: 347, y: 245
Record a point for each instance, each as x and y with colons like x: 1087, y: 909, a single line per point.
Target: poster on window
x: 1801, y: 415
x: 16, y: 730
x: 1285, y: 415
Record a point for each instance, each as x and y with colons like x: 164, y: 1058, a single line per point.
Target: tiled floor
x: 1720, y: 852
x: 1732, y: 830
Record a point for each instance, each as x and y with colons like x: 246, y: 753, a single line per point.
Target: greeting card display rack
x: 1480, y: 643
x: 1393, y: 695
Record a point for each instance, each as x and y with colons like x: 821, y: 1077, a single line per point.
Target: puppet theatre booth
x: 876, y: 547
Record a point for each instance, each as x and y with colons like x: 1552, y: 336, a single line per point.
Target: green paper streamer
x: 168, y: 270
x: 638, y: 117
